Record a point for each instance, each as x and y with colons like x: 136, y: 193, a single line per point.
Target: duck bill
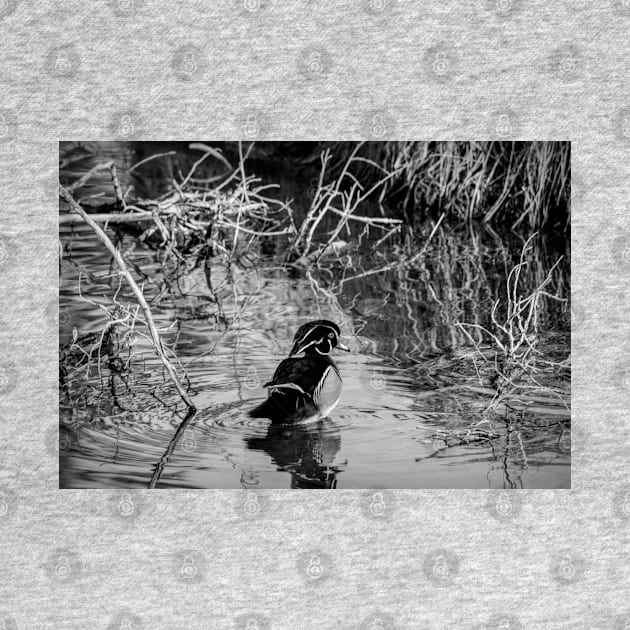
x: 340, y: 346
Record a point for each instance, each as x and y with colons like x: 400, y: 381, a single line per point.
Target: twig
x: 148, y: 159
x: 84, y: 178
x: 376, y: 221
x: 398, y: 263
x: 117, y: 188
x: 209, y: 151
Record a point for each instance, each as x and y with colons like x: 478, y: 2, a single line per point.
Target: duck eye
x: 331, y: 335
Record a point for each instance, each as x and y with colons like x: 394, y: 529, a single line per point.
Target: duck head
x: 318, y: 337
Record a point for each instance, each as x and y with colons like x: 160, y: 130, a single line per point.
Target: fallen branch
x: 128, y: 217
x: 157, y: 342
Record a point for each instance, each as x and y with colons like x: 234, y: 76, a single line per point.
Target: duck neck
x: 313, y: 353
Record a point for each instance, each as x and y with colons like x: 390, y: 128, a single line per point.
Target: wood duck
x: 308, y: 386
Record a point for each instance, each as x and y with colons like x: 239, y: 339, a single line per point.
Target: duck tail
x: 263, y: 410
x: 279, y: 408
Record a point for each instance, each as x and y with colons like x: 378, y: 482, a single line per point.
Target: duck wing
x: 298, y: 373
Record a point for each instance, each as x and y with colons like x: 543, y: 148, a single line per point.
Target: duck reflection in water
x: 306, y: 451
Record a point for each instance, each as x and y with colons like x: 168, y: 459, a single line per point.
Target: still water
x: 411, y: 414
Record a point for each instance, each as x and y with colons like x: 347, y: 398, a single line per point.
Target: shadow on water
x: 419, y: 408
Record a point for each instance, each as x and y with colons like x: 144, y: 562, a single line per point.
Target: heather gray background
x: 303, y: 70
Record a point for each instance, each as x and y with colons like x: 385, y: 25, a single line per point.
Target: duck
x: 306, y: 387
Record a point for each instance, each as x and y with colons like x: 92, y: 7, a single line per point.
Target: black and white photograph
x: 315, y: 315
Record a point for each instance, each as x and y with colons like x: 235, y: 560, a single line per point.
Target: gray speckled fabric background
x: 305, y: 70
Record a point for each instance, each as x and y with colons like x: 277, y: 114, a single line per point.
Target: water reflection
x: 307, y: 452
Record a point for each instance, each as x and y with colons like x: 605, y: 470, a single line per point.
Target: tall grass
x: 510, y: 184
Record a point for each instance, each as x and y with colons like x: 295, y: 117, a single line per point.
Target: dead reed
x: 509, y: 184
x: 515, y: 335
x: 341, y: 198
